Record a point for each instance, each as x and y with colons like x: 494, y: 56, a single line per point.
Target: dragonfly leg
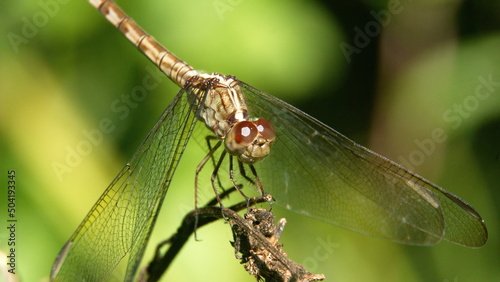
x: 215, y: 175
x: 208, y: 139
x: 223, y: 195
x: 236, y: 186
x: 200, y: 166
x: 212, y: 179
x: 257, y: 183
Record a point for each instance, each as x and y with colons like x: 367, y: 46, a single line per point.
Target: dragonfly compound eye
x: 265, y: 128
x: 240, y: 137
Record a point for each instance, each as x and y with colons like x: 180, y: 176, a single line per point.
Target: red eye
x: 244, y: 132
x: 265, y: 128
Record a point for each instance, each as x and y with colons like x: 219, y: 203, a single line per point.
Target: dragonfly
x: 304, y: 164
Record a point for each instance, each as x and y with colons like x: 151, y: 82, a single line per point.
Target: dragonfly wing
x: 120, y: 223
x: 316, y: 171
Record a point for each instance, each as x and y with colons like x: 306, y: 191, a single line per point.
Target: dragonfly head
x: 250, y: 140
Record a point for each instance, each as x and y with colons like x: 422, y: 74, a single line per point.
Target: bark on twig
x: 255, y: 238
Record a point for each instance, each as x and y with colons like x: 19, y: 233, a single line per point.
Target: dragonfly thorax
x: 224, y: 111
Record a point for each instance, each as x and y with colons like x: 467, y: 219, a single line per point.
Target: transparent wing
x: 120, y: 223
x: 314, y: 170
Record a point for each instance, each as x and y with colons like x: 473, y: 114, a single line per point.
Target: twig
x: 255, y: 237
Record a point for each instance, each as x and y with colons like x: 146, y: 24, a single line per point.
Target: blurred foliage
x: 62, y: 67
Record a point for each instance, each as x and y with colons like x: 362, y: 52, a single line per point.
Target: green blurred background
x: 63, y: 68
